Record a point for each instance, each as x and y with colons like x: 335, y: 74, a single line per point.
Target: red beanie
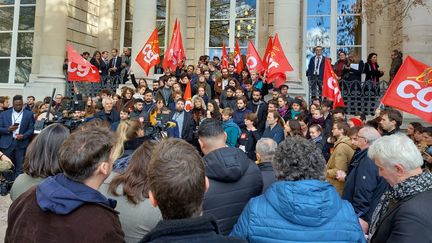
x: 357, y: 122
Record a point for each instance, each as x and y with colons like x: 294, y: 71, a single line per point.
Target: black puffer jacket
x: 234, y: 179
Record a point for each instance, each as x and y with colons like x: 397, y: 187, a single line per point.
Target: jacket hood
x: 346, y: 140
x: 226, y: 164
x: 231, y: 123
x: 308, y: 202
x: 61, y: 195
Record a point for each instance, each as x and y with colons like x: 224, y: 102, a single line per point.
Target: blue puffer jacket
x: 299, y: 211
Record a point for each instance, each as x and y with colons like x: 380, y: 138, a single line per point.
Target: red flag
x: 149, y: 54
x: 253, y: 60
x: 188, y: 96
x: 224, y: 56
x: 174, y: 54
x: 267, y: 52
x: 80, y: 69
x: 411, y: 89
x: 330, y: 88
x: 238, y: 60
x: 277, y: 64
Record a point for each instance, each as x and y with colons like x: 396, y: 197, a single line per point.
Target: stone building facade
x: 46, y: 26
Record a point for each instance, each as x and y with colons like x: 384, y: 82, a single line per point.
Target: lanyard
x: 16, y: 118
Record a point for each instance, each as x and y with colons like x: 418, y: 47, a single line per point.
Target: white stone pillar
x: 177, y: 9
x: 49, y: 49
x: 417, y: 31
x: 287, y: 14
x: 144, y: 22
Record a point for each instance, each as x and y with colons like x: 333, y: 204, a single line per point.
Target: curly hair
x: 298, y: 159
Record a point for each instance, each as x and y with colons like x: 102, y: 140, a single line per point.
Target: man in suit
x: 315, y: 70
x: 16, y: 129
x: 184, y: 121
x: 115, y: 65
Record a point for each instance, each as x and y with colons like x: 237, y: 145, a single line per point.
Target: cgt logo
x: 81, y: 71
x: 332, y: 84
x: 421, y: 97
x: 149, y: 55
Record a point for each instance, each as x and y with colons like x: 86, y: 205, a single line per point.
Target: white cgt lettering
x: 420, y: 102
x: 251, y: 62
x: 149, y: 55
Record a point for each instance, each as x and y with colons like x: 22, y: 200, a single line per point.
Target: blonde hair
x: 127, y: 130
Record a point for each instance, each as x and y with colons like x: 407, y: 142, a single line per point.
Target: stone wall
x: 90, y: 24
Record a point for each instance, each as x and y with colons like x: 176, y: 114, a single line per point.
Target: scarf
x: 283, y: 111
x: 407, y: 188
x: 295, y: 113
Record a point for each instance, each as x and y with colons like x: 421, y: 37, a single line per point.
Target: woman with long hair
x: 373, y: 74
x: 283, y: 109
x: 213, y: 110
x: 292, y: 128
x: 160, y: 103
x: 129, y: 135
x: 41, y: 159
x: 130, y: 190
x: 126, y: 100
x: 96, y: 60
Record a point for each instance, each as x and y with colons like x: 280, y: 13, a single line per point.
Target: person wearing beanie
x: 355, y: 122
x: 296, y: 108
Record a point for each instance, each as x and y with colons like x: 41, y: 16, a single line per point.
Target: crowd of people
x: 237, y: 166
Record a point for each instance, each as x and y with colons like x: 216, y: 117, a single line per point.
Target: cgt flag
x: 80, y: 69
x: 411, y: 89
x: 149, y: 54
x: 267, y: 52
x: 278, y: 64
x: 330, y: 88
x: 238, y: 60
x: 174, y: 54
x: 224, y: 56
x: 253, y: 60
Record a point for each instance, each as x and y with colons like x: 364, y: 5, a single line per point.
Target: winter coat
x: 339, y: 160
x: 408, y: 220
x: 233, y: 132
x: 191, y: 230
x: 249, y: 139
x: 239, y: 116
x: 62, y: 210
x: 234, y: 179
x: 267, y: 173
x: 276, y: 133
x: 363, y: 185
x: 299, y: 211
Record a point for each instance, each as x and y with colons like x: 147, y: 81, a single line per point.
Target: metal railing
x: 93, y: 89
x: 357, y: 95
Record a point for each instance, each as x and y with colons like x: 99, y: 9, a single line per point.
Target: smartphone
x: 16, y: 124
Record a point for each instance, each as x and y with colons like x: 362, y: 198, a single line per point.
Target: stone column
x: 418, y: 40
x: 144, y: 22
x: 287, y: 14
x: 49, y: 49
x: 106, y: 26
x: 177, y: 9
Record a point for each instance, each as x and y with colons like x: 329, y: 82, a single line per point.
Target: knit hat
x: 357, y: 122
x: 298, y: 102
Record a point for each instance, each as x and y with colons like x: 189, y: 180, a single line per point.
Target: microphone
x: 170, y: 124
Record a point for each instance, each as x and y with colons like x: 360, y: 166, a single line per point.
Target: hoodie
x: 234, y: 179
x: 233, y: 132
x: 288, y: 209
x: 61, y: 195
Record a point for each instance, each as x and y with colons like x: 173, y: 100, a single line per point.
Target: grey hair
x: 298, y: 159
x: 266, y: 148
x: 370, y: 134
x: 104, y: 100
x: 396, y: 149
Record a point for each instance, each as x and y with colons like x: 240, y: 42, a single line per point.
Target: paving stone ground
x: 5, y: 202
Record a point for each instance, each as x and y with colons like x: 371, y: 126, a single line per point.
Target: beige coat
x: 339, y: 160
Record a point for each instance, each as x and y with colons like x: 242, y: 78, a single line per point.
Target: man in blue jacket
x: 16, y: 129
x: 363, y: 184
x: 300, y: 206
